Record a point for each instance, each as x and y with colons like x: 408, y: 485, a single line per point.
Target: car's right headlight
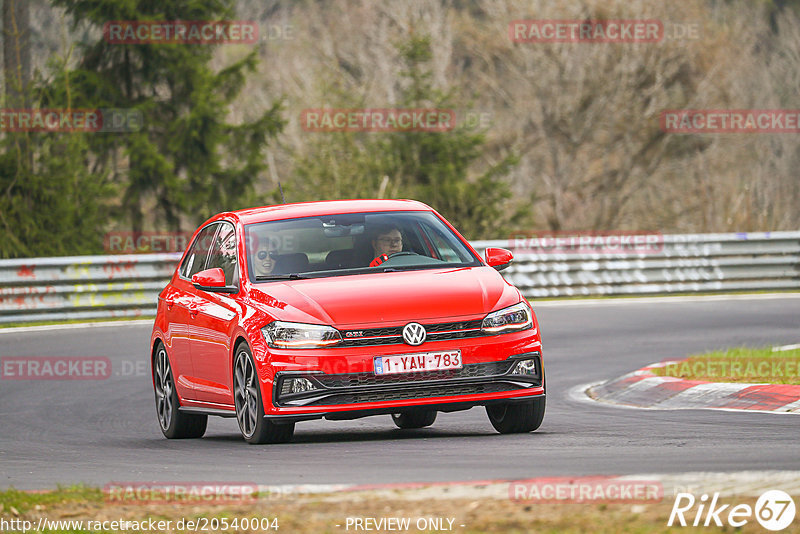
x: 516, y: 317
x: 285, y: 335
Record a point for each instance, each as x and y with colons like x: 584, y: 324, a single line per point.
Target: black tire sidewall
x: 181, y: 425
x: 415, y: 419
x: 519, y: 417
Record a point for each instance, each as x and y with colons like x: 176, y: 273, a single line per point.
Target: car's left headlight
x: 516, y: 317
x: 284, y: 335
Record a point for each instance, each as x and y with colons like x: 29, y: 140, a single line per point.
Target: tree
x: 434, y: 167
x: 50, y: 204
x: 187, y: 157
x: 55, y: 207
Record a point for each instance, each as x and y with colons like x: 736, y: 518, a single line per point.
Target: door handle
x: 192, y: 310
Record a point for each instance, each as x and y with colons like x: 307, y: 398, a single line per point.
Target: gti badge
x: 414, y: 334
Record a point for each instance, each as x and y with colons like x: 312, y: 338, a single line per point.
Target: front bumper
x: 345, y: 385
x: 365, y: 388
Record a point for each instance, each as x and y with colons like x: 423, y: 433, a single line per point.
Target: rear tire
x: 174, y: 423
x: 515, y: 418
x: 415, y: 419
x: 256, y: 429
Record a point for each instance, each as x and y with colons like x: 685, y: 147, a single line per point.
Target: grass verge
x: 329, y: 513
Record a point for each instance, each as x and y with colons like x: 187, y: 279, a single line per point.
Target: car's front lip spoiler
x: 343, y: 415
x: 504, y: 384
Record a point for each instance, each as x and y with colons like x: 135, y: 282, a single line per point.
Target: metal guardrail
x: 86, y: 287
x: 82, y: 287
x: 684, y: 264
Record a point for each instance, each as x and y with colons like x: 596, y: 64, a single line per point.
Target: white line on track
x: 74, y: 326
x: 654, y: 300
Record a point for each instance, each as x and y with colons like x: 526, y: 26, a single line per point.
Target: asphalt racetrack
x: 99, y: 431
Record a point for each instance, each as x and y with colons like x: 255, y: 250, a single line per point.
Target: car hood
x: 386, y: 297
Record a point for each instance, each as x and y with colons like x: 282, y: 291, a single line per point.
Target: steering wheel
x: 402, y: 253
x: 383, y: 258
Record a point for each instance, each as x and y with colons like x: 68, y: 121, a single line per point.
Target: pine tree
x: 187, y: 156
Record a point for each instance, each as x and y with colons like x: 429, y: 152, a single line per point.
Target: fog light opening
x: 525, y: 367
x: 296, y: 385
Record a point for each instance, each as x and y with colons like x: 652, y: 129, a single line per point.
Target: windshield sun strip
x: 360, y: 270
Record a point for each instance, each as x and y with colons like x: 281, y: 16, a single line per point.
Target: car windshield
x: 334, y: 245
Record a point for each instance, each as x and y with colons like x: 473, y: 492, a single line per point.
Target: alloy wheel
x: 245, y: 394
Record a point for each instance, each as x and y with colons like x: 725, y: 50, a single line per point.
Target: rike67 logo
x: 774, y: 510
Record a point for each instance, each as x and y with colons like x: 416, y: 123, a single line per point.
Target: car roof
x: 325, y: 207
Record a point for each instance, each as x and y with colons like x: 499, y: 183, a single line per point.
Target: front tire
x: 415, y: 419
x: 174, y: 423
x: 255, y: 428
x: 515, y: 418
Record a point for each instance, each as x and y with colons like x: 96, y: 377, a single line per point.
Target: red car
x: 341, y: 309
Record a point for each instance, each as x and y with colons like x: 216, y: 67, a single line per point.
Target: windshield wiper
x: 291, y: 276
x: 403, y: 268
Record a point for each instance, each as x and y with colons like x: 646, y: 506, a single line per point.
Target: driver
x: 387, y: 240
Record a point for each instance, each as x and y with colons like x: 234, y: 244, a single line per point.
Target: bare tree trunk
x: 16, y: 51
x: 17, y: 75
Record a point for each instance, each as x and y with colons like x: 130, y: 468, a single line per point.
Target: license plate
x: 418, y: 363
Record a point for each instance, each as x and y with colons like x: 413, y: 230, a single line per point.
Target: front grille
x: 437, y: 336
x: 473, y: 370
x: 462, y: 325
x: 371, y: 342
x: 394, y: 335
x: 414, y: 393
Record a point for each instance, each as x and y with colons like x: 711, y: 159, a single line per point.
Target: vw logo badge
x: 414, y: 334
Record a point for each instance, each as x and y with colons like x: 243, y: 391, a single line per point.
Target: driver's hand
x: 380, y: 259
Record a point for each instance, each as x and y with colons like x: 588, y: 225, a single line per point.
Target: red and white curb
x: 744, y: 483
x: 643, y: 389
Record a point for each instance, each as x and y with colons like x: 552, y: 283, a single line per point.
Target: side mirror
x: 212, y: 280
x: 499, y: 258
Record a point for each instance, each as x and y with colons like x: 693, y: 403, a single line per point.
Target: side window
x: 198, y: 253
x: 223, y: 253
x: 446, y: 251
